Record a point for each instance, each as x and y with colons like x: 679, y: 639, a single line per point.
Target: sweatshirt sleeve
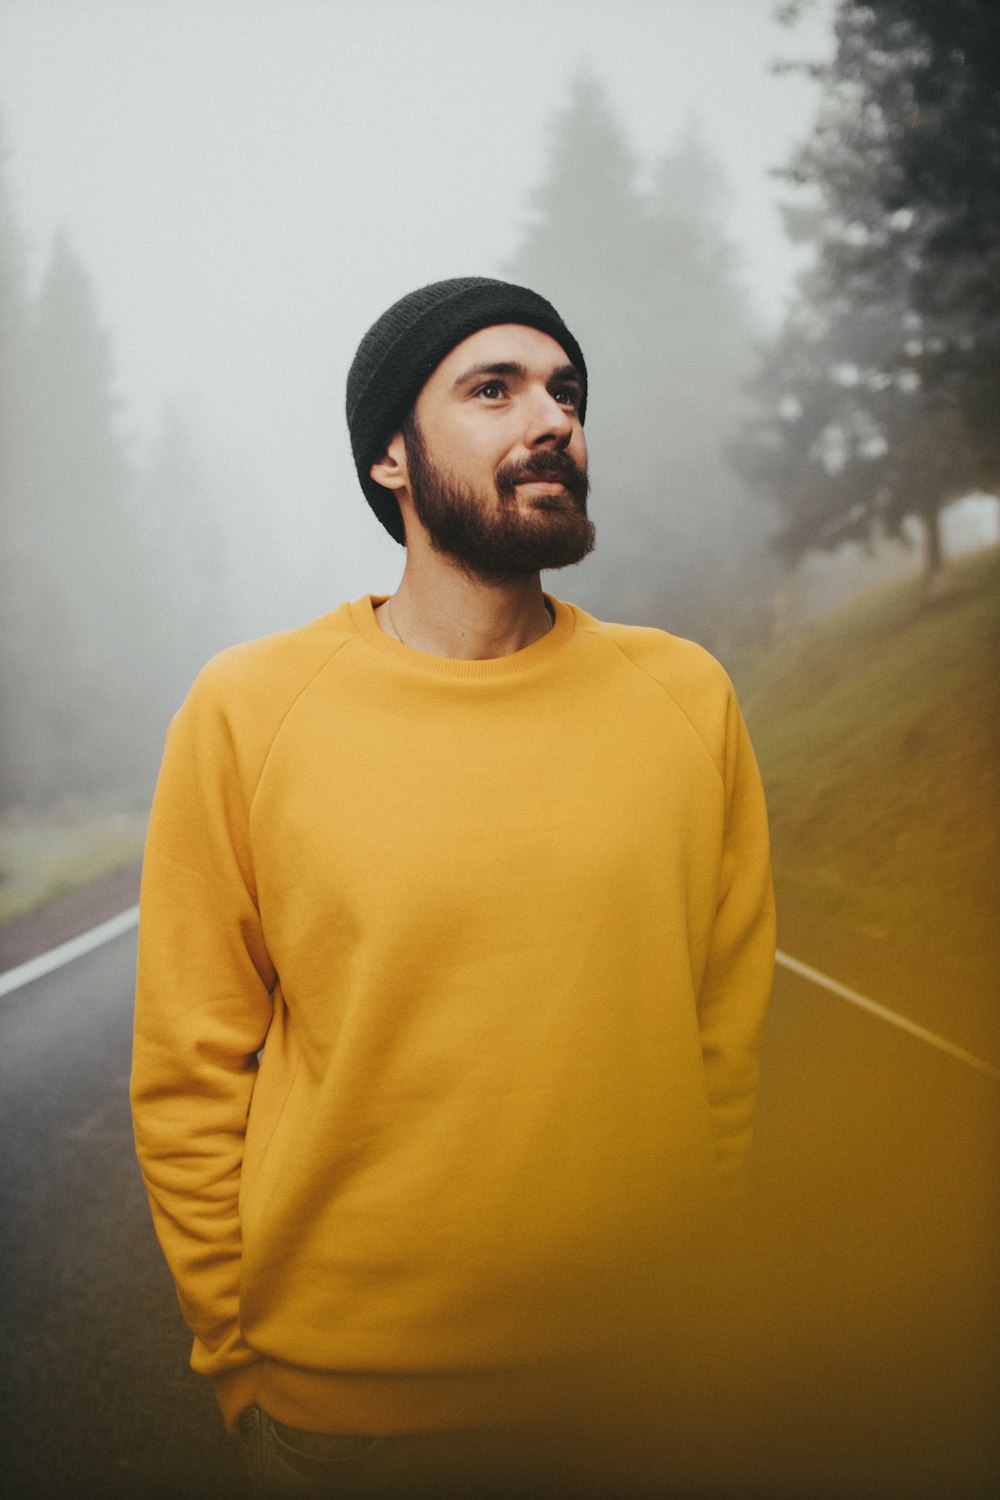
x: 203, y: 1006
x: 739, y: 971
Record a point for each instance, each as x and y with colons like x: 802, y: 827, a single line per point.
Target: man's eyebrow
x: 515, y: 368
x: 568, y: 372
x: 496, y: 367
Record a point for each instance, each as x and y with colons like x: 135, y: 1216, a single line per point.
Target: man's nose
x: 549, y: 421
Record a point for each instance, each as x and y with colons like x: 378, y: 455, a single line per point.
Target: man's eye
x: 567, y: 394
x: 491, y: 389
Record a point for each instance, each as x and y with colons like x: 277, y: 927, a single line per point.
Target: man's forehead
x: 504, y: 343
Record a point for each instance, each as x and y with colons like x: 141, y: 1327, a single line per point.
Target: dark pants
x: 506, y: 1462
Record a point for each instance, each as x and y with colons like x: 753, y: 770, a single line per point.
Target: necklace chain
x: 388, y: 610
x: 395, y: 629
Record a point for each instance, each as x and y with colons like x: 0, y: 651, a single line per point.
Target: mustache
x: 557, y: 467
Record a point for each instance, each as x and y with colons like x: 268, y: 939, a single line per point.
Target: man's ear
x: 390, y: 470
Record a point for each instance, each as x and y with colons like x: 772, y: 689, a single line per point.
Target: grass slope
x: 878, y: 734
x: 42, y: 858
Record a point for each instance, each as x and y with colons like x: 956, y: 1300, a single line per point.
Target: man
x: 485, y: 884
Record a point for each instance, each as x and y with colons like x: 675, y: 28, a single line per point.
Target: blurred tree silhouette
x: 15, y: 665
x: 879, y: 398
x: 177, y: 521
x: 13, y: 300
x: 78, y: 689
x: 110, y: 575
x: 80, y: 615
x: 647, y: 282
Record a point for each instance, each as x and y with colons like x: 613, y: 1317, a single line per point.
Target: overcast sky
x: 251, y: 182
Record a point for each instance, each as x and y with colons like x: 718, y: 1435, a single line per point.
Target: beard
x: 498, y: 542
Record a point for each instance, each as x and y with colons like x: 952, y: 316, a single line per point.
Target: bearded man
x: 455, y: 948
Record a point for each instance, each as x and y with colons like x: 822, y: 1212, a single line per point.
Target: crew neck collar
x: 368, y: 628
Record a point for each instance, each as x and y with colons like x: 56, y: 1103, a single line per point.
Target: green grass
x: 42, y: 858
x: 878, y: 733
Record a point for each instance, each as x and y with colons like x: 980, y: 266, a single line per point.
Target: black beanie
x: 404, y: 347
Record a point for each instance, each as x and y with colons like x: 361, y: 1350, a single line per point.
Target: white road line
x: 892, y: 1016
x: 45, y: 963
x: 36, y: 968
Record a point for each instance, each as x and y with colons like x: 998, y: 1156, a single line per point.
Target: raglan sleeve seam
x: 696, y: 731
x: 288, y: 710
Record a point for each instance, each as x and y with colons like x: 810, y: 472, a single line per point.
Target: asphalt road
x: 865, y: 1329
x: 96, y: 1398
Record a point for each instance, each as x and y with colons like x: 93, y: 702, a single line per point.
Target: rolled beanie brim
x: 404, y: 347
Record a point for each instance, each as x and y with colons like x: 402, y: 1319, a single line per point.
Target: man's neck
x: 441, y: 610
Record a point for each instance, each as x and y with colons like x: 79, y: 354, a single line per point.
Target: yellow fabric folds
x: 502, y: 934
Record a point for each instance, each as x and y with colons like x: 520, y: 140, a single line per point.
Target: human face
x: 496, y: 457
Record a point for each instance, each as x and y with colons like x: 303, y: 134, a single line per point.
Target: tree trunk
x: 936, y: 580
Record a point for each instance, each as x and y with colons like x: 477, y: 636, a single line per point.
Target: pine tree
x: 83, y: 609
x: 648, y: 284
x: 176, y: 517
x: 891, y: 360
x: 585, y: 232
x: 16, y: 660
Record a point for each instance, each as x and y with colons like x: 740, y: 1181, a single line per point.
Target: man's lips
x: 543, y: 486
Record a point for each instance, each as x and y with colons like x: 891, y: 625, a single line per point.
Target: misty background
x: 775, y: 230
x: 204, y: 206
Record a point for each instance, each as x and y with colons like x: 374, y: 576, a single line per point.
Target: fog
x: 204, y: 204
x: 248, y: 185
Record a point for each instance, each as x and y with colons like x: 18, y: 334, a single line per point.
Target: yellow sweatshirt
x: 502, y: 935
